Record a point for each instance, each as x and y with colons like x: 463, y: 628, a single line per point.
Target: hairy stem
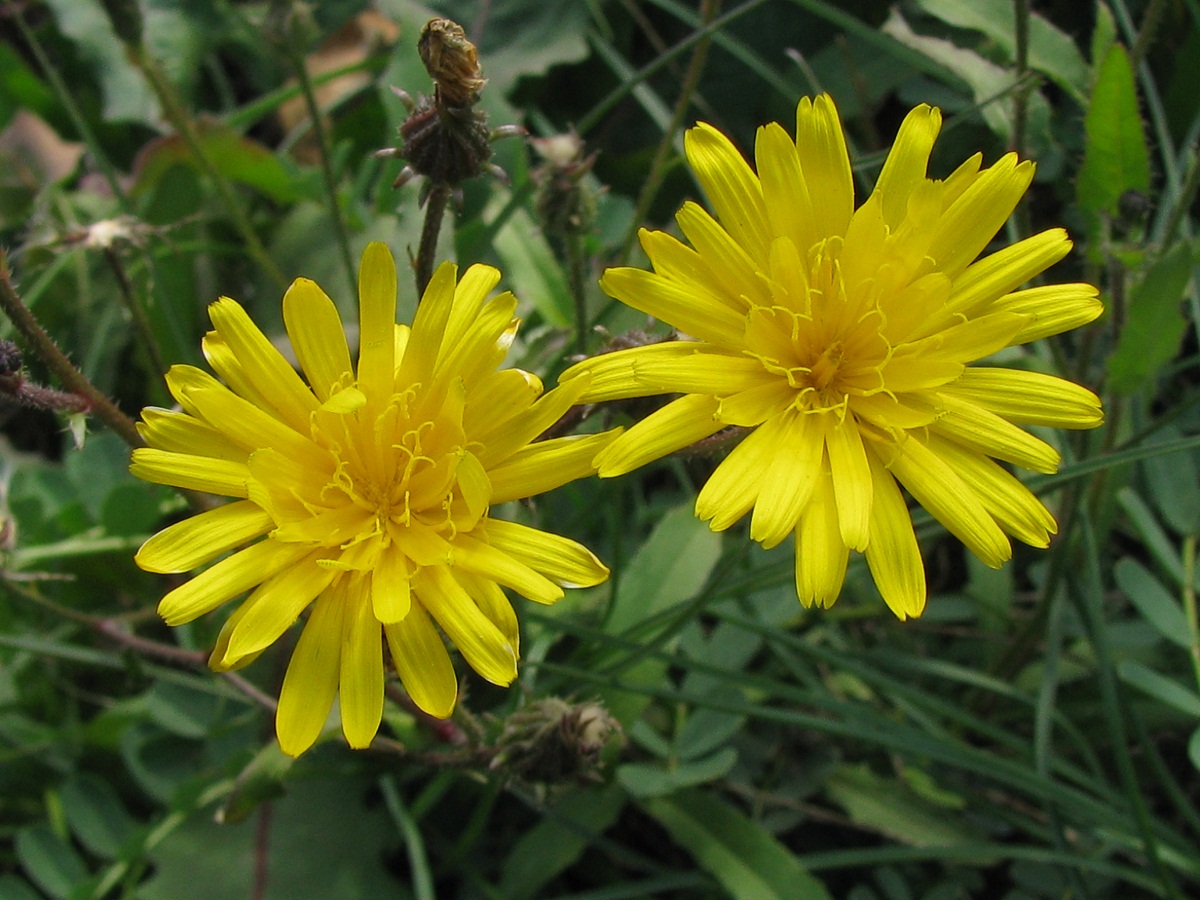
x: 56, y: 361
x: 435, y: 211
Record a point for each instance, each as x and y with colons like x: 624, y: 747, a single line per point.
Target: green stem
x: 575, y: 273
x: 323, y: 150
x: 435, y: 210
x: 66, y: 98
x: 56, y: 361
x: 140, y: 320
x: 1189, y: 603
x: 1151, y: 19
x: 709, y: 10
x: 177, y: 116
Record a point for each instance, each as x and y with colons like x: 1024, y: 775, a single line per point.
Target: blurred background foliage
x: 1035, y: 734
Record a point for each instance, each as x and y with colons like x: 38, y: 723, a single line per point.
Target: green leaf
x: 1174, y: 486
x: 1115, y: 158
x: 644, y: 780
x: 13, y: 888
x: 1051, y: 52
x: 96, y: 815
x: 558, y: 840
x: 743, y: 856
x: 127, y: 96
x: 50, y: 862
x: 20, y: 88
x: 670, y: 567
x: 1154, y: 326
x: 891, y: 807
x: 261, y: 780
x: 234, y: 157
x: 326, y: 841
x: 1152, y: 600
x: 1194, y: 748
x: 1162, y: 688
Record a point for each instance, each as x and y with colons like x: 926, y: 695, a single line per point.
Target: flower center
x: 825, y: 369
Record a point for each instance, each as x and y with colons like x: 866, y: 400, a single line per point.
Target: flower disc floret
x: 844, y: 339
x: 363, y: 491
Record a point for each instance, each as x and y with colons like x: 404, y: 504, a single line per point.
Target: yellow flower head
x: 842, y: 337
x: 370, y: 489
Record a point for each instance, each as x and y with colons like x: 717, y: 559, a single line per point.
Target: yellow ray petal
x: 893, y: 555
x: 850, y: 478
x: 1052, y: 309
x: 907, y: 161
x: 492, y: 563
x: 733, y: 488
x: 226, y: 579
x: 391, y: 594
x: 735, y: 272
x: 678, y: 424
x: 825, y: 163
x: 524, y: 427
x: 195, y: 473
x: 360, y: 693
x: 1003, y: 271
x: 317, y: 335
x: 275, y: 605
x: 757, y: 404
x: 973, y: 219
x: 494, y: 605
x: 675, y: 304
x: 422, y: 662
x: 312, y: 675
x: 497, y: 400
x: 170, y: 430
x: 248, y: 426
x: 789, y: 208
x: 545, y: 465
x: 1013, y: 505
x: 612, y: 374
x: 469, y: 294
x: 821, y: 554
x: 1029, y: 398
x: 789, y: 478
x: 937, y: 487
x: 376, y: 323
x: 264, y: 366
x: 203, y: 537
x: 732, y: 188
x: 968, y: 424
x: 429, y: 326
x: 480, y: 642
x: 562, y: 560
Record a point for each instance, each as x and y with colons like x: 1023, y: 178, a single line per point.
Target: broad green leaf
x: 1154, y: 325
x: 1051, y: 52
x: 1115, y: 159
x: 645, y: 780
x: 1174, y: 486
x: 13, y: 888
x: 327, y: 840
x: 1152, y: 600
x: 48, y: 860
x: 989, y: 84
x: 890, y: 806
x: 558, y: 840
x: 743, y: 856
x: 127, y: 96
x: 183, y: 711
x: 1194, y: 748
x: 234, y: 157
x: 528, y: 262
x: 1159, y: 686
x: 20, y: 88
x: 96, y: 815
x: 671, y: 566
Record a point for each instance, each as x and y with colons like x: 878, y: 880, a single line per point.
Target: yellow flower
x: 842, y: 337
x: 370, y: 489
